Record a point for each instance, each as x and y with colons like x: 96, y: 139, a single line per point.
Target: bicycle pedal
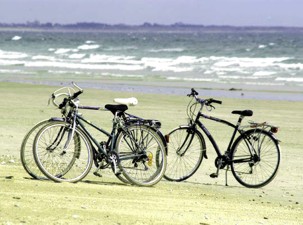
x: 213, y: 175
x: 97, y: 174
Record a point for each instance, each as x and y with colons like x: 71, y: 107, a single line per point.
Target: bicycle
x: 254, y: 156
x: 64, y: 150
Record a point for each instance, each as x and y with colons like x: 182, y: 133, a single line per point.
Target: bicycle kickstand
x: 226, y: 175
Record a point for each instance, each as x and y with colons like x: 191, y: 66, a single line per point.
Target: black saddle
x: 243, y: 112
x: 116, y: 108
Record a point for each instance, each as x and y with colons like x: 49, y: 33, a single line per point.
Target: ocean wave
x: 11, y: 63
x: 43, y: 57
x: 88, y: 47
x: 90, y: 42
x: 69, y: 65
x: 76, y: 56
x: 190, y: 79
x: 123, y: 48
x: 264, y: 73
x: 16, y: 38
x: 98, y: 58
x: 12, y: 55
x: 167, y: 50
x: 290, y: 79
x: 63, y: 50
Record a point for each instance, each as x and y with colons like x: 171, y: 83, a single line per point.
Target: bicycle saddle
x: 116, y: 108
x: 243, y: 112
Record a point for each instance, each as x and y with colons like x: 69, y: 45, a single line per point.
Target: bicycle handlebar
x: 67, y: 92
x: 208, y: 102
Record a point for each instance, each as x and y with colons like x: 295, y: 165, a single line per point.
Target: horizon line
x: 144, y: 24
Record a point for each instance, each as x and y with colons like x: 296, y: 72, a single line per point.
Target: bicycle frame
x: 210, y: 137
x: 111, y: 136
x: 79, y: 121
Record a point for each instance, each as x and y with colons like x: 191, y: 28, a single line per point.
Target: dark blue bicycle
x: 253, y: 155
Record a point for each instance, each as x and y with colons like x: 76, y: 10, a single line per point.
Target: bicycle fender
x: 55, y: 119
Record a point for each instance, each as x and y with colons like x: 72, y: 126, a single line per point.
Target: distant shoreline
x: 147, y: 27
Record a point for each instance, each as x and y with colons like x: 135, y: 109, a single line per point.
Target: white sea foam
x: 62, y: 50
x: 69, y: 65
x: 98, y: 58
x: 43, y: 57
x: 123, y: 48
x: 125, y: 75
x: 167, y: 64
x: 88, y: 47
x: 76, y: 56
x: 246, y: 62
x: 234, y: 77
x: 190, y: 79
x: 263, y: 73
x: 262, y: 46
x: 12, y: 55
x: 16, y: 38
x: 11, y: 62
x: 186, y: 59
x: 89, y: 42
x: 166, y: 50
x: 290, y: 79
x: 293, y: 66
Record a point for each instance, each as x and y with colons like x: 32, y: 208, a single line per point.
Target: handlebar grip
x: 75, y: 95
x: 193, y: 93
x: 63, y: 104
x: 216, y: 101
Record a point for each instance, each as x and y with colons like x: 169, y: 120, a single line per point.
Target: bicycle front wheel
x: 185, y: 153
x: 255, y: 158
x: 142, y: 155
x: 26, y: 152
x: 59, y: 157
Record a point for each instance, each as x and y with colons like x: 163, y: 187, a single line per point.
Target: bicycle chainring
x: 220, y: 162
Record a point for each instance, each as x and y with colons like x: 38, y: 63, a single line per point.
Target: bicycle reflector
x: 274, y: 129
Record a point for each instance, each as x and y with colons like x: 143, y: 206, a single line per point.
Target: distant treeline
x: 145, y: 26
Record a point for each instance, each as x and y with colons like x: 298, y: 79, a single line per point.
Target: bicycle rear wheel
x: 142, y: 155
x: 57, y: 161
x: 26, y: 152
x: 185, y: 153
x: 255, y: 158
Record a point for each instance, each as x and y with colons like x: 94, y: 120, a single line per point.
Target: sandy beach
x: 105, y: 200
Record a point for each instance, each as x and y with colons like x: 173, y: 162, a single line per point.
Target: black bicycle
x: 64, y: 149
x: 253, y: 155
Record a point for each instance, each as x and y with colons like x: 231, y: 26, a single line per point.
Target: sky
x: 136, y: 12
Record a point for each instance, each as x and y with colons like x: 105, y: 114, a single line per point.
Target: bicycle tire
x: 26, y: 152
x: 258, y: 169
x: 142, y: 155
x: 182, y: 165
x: 61, y: 164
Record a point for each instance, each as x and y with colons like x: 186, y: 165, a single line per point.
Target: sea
x: 223, y: 59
